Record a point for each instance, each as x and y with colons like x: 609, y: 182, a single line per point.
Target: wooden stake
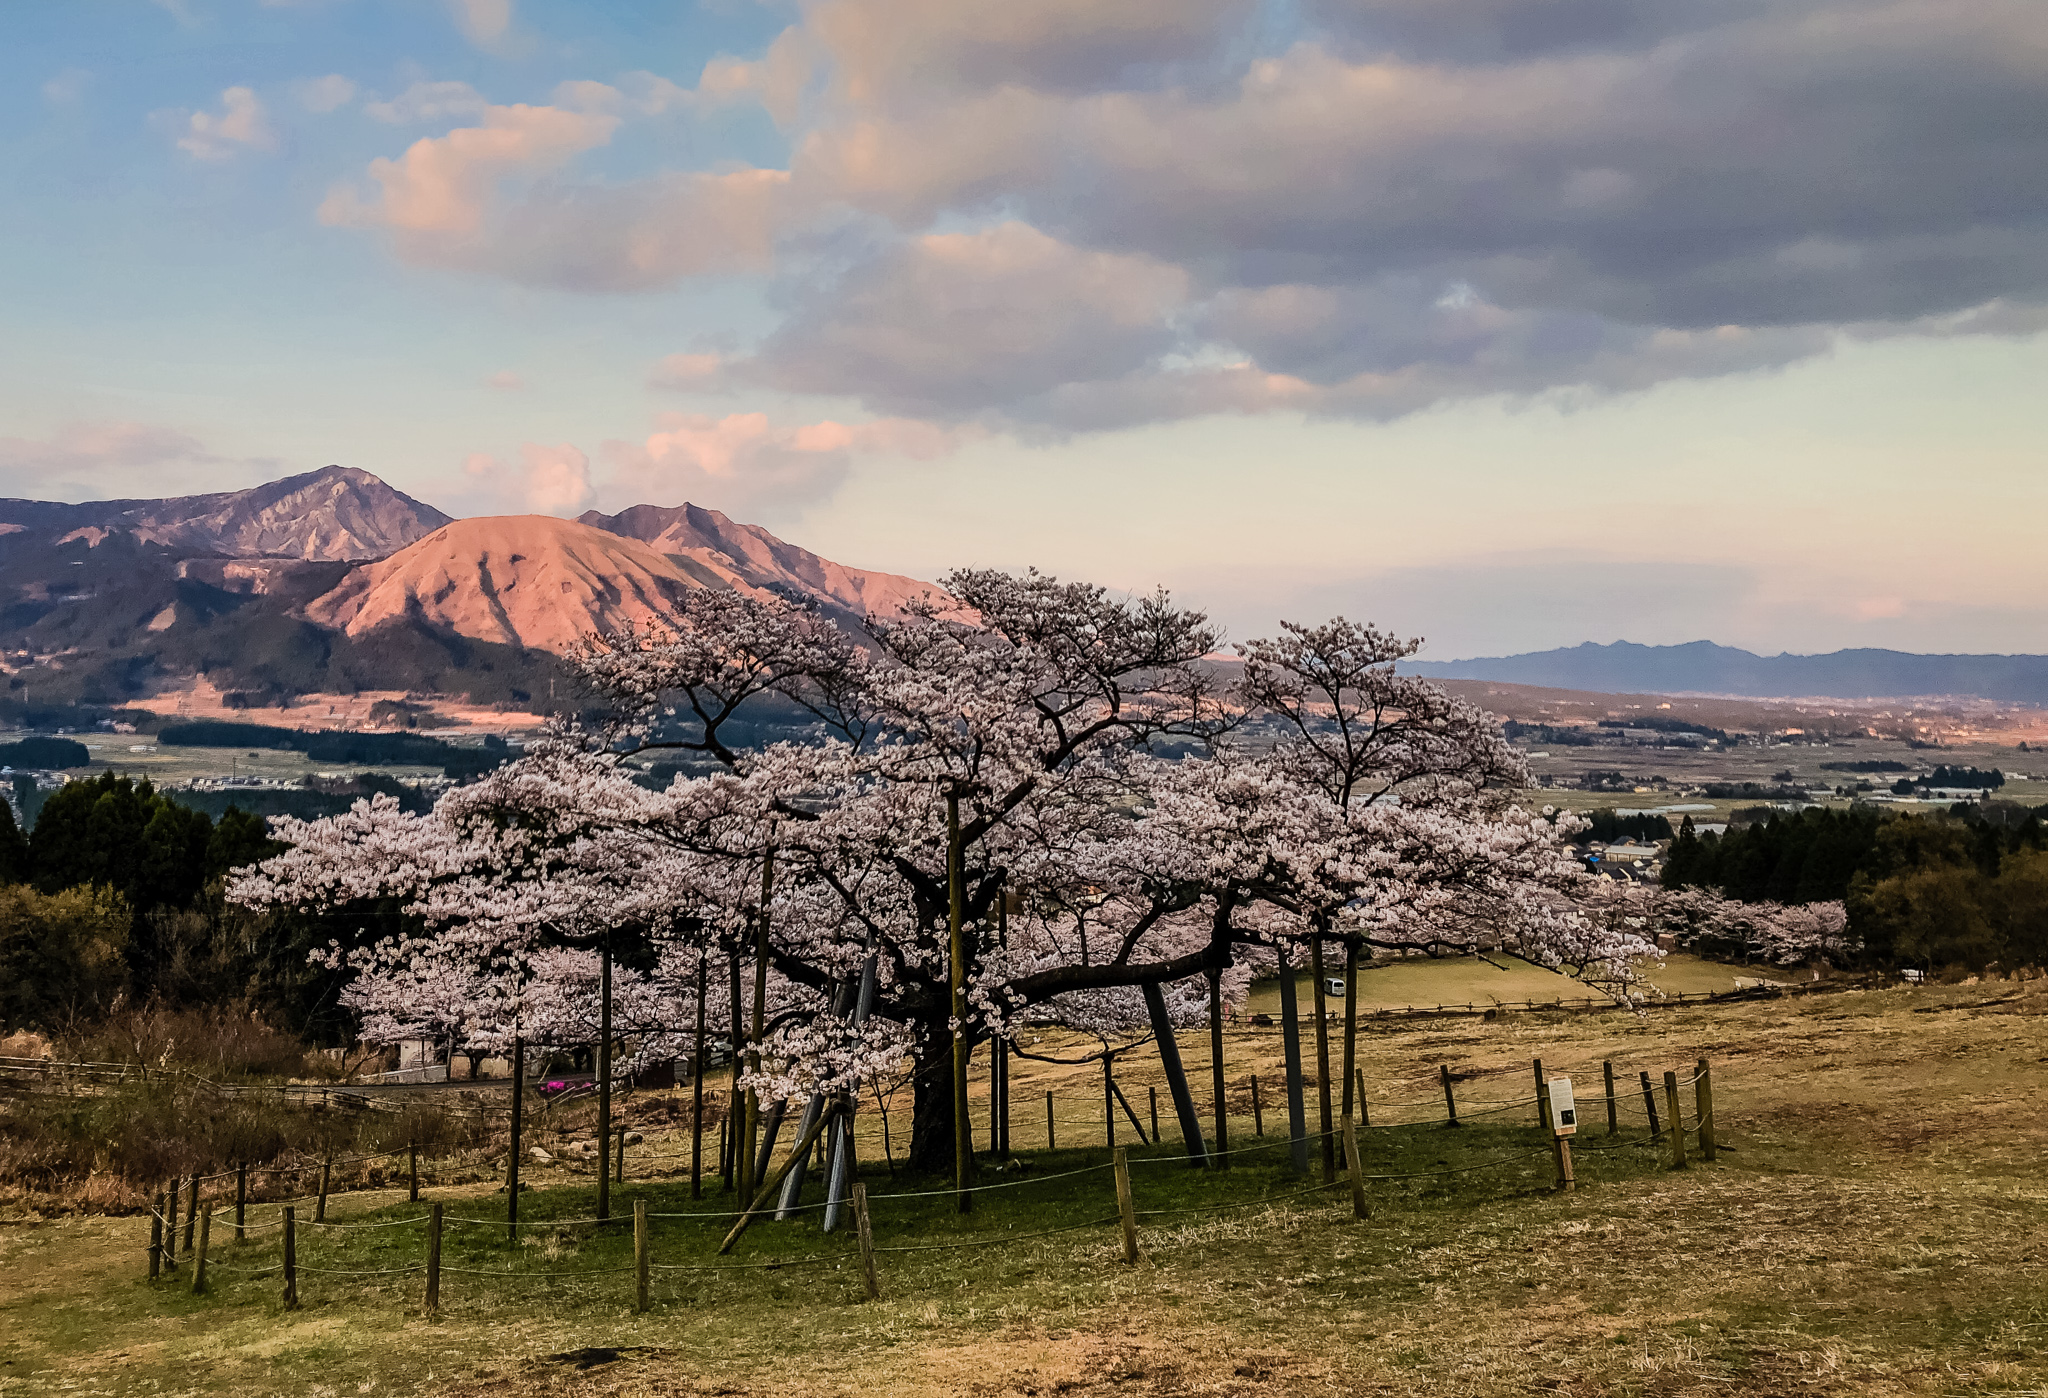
x: 956, y: 933
x: 1450, y: 1096
x: 1542, y: 1095
x: 1358, y: 1208
x: 241, y: 1197
x: 1613, y: 1120
x: 1352, y: 1082
x: 1153, y: 1094
x: 434, y: 1260
x: 1677, y: 1121
x: 192, y: 1211
x: 1364, y: 1108
x: 1703, y: 1103
x: 156, y: 1235
x: 867, y: 1242
x: 1650, y: 1106
x: 291, y: 1258
x: 1050, y: 1143
x: 1124, y: 1208
x: 640, y: 1253
x: 199, y: 1259
x: 1290, y: 1057
x: 326, y: 1173
x: 1258, y: 1110
x: 1563, y: 1151
x: 412, y: 1151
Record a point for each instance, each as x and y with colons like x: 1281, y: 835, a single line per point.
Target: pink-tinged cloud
x: 743, y: 462
x: 482, y: 22
x: 442, y: 185
x: 328, y: 94
x: 241, y: 124
x: 687, y: 371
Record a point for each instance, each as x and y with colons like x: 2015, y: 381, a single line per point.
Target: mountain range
x: 335, y: 582
x: 1701, y: 667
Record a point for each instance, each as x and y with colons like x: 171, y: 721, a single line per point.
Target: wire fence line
x: 1670, y: 1135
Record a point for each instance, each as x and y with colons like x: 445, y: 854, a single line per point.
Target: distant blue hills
x: 1703, y: 667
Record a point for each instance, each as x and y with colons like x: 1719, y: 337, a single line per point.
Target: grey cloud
x: 1495, y: 30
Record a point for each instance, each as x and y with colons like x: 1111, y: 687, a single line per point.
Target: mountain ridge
x: 1703, y: 667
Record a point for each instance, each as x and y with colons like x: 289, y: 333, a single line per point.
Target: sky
x: 1503, y: 323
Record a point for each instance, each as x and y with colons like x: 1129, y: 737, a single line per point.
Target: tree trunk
x: 931, y: 1118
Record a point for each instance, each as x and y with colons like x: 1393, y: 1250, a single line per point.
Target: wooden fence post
x: 1153, y: 1094
x: 326, y: 1172
x: 434, y: 1260
x: 1564, y: 1164
x: 1650, y: 1106
x: 191, y: 1210
x: 156, y: 1235
x: 1258, y: 1111
x: 412, y: 1151
x: 291, y: 1258
x: 1364, y: 1112
x: 1358, y: 1209
x: 640, y: 1253
x: 199, y: 1259
x: 866, y: 1235
x: 1677, y: 1120
x: 1450, y: 1097
x: 1703, y: 1101
x: 1542, y: 1096
x: 1124, y: 1208
x: 241, y: 1196
x: 1613, y: 1121
x: 1049, y: 1143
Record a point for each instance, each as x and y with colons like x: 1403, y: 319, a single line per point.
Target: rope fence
x: 1679, y: 1132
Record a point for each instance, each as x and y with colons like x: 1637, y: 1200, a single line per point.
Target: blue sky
x: 1507, y: 324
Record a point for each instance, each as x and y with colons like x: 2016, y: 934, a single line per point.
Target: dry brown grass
x: 1880, y: 1226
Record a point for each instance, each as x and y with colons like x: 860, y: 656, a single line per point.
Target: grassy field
x: 1877, y: 1224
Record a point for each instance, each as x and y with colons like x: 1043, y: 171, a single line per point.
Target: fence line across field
x: 163, y: 1250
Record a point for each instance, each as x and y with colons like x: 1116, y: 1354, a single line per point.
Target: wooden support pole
x: 1327, y: 1119
x: 1153, y: 1094
x: 1220, y: 1159
x: 604, y: 1079
x: 640, y: 1254
x: 1613, y: 1119
x: 1126, y: 1212
x: 156, y: 1235
x: 412, y: 1152
x: 1131, y: 1116
x: 1258, y: 1109
x: 697, y: 1081
x: 326, y: 1176
x: 1357, y: 1165
x: 1450, y: 1095
x: 1650, y: 1106
x: 830, y: 1114
x: 1562, y: 1148
x: 1677, y: 1120
x: 1542, y: 1095
x: 1703, y: 1102
x: 1108, y: 1105
x: 956, y: 942
x: 518, y: 1137
x: 434, y: 1259
x: 1352, y: 1090
x: 192, y: 1210
x: 866, y: 1235
x: 1364, y: 1108
x: 291, y: 1258
x: 1290, y: 1055
x: 241, y: 1199
x: 199, y: 1258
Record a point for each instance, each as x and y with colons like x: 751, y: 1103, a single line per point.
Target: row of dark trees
x: 1968, y: 887
x: 115, y: 894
